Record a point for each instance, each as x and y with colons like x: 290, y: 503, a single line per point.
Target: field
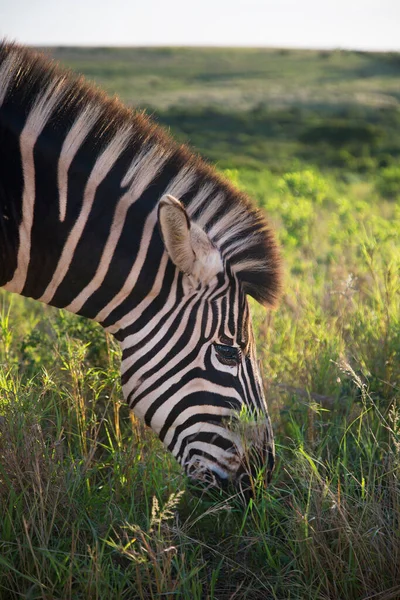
x: 92, y: 506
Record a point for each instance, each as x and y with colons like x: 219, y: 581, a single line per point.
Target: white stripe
x: 136, y: 268
x: 210, y: 210
x: 76, y: 136
x: 192, y: 387
x: 235, y: 229
x: 237, y: 245
x: 8, y: 70
x: 193, y: 429
x: 228, y: 460
x: 153, y: 324
x: 147, y: 164
x: 252, y: 265
x: 235, y: 219
x: 181, y: 183
x: 37, y: 119
x: 156, y: 358
x: 213, y: 308
x: 136, y: 313
x: 102, y: 167
x: 179, y: 186
x: 197, y: 202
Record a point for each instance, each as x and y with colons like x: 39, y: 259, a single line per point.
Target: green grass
x: 261, y: 108
x: 93, y: 507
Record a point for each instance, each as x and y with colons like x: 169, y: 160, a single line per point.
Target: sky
x: 355, y: 24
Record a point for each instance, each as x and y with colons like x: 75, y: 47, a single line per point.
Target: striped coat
x: 102, y: 214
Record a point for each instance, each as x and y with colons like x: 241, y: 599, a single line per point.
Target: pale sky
x: 359, y: 24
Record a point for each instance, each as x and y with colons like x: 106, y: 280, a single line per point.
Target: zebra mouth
x: 207, y: 477
x: 210, y: 482
x: 210, y: 486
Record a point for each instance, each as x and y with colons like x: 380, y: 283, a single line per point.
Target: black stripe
x: 144, y: 358
x: 127, y: 250
x: 88, y: 252
x: 191, y: 401
x: 208, y: 437
x: 48, y: 235
x: 192, y: 420
x: 197, y: 452
x: 155, y: 306
x: 210, y: 374
x: 11, y: 186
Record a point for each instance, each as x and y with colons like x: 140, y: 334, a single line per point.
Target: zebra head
x: 193, y: 372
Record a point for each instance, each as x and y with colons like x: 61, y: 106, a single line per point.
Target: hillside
x: 260, y: 107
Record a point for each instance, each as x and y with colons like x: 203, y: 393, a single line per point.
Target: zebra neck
x: 79, y: 225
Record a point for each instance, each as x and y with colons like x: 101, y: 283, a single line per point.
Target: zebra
x: 104, y: 215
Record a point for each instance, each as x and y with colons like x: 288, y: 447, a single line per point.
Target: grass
x: 91, y: 504
x: 94, y: 507
x: 252, y: 108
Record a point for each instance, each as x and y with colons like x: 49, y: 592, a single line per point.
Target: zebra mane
x: 234, y: 224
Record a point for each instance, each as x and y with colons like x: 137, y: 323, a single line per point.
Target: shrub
x: 308, y: 184
x: 388, y: 182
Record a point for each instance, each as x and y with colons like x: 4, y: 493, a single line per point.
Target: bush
x: 340, y: 132
x: 388, y: 182
x: 307, y: 184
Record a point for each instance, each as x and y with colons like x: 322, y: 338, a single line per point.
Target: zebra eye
x: 228, y: 355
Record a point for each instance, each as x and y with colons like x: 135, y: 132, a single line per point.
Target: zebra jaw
x: 210, y: 476
x: 240, y: 469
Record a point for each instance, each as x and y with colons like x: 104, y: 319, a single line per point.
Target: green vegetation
x: 92, y: 505
x: 259, y: 107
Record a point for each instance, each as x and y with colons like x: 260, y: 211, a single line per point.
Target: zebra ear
x: 187, y: 245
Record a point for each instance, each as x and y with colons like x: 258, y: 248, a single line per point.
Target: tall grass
x: 91, y: 504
